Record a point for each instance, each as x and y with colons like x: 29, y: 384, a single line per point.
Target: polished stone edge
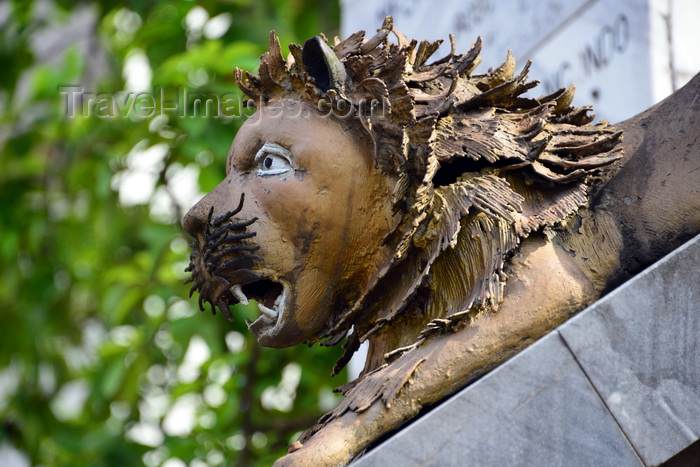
x: 574, y: 397
x: 640, y: 348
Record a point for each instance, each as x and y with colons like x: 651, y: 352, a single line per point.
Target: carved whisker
x: 243, y: 225
x: 236, y: 237
x: 219, y: 220
x: 219, y: 233
x: 225, y: 311
x: 245, y: 275
x: 231, y: 238
x: 234, y: 249
x: 225, y: 230
x: 237, y: 261
x: 206, y: 227
x: 197, y: 284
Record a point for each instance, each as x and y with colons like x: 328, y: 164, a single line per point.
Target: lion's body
x: 654, y: 197
x: 645, y: 208
x: 491, y: 218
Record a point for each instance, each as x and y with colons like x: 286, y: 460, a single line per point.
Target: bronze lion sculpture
x: 433, y: 211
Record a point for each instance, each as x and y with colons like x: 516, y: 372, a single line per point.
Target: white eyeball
x: 273, y: 159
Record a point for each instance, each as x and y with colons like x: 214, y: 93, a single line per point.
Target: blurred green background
x: 103, y: 358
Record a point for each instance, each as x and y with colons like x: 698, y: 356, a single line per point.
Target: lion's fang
x: 238, y: 293
x: 267, y: 312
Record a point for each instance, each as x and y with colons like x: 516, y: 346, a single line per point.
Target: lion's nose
x: 196, y: 218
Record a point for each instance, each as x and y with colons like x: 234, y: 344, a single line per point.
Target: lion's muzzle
x: 222, y: 261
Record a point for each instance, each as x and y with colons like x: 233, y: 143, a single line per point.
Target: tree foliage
x: 103, y: 358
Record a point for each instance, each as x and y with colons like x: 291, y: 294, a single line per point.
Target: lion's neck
x: 451, y: 271
x: 462, y: 281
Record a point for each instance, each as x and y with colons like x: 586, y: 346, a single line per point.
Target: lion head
x: 373, y: 191
x: 296, y: 224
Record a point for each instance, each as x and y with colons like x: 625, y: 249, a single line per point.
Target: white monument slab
x: 623, y: 55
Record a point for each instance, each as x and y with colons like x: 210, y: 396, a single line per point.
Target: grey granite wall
x: 619, y: 385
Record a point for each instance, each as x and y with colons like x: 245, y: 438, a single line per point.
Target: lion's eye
x: 273, y: 159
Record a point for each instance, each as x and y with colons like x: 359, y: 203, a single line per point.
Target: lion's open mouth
x: 271, y: 297
x: 225, y: 273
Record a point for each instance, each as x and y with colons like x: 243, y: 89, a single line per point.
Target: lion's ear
x: 321, y: 63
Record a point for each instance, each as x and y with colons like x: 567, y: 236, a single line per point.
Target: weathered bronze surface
x: 432, y: 211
